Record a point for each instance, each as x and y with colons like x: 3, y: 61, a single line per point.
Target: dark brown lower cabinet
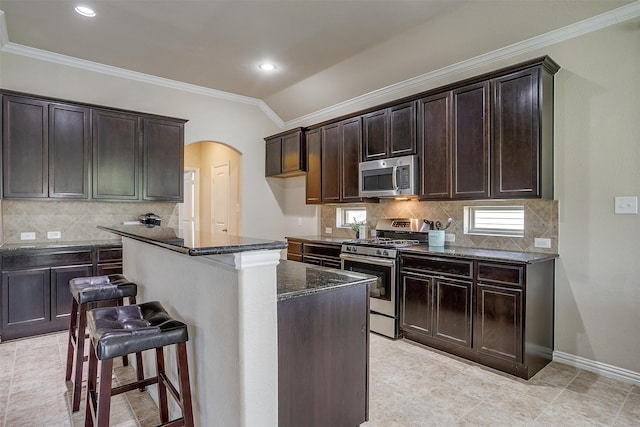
x: 437, y: 307
x: 501, y: 316
x: 323, y: 353
x: 323, y: 254
x: 35, y: 297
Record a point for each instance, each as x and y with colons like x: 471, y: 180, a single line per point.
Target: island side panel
x: 229, y: 304
x: 323, y: 351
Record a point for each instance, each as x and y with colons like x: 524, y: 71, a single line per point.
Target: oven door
x: 383, y: 292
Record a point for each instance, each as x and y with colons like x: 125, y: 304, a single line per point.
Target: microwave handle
x: 394, y: 178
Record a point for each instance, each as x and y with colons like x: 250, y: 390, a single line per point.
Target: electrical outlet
x: 54, y: 234
x: 31, y: 235
x: 449, y: 237
x: 542, y: 243
x: 626, y: 205
x: 299, y: 220
x: 328, y: 230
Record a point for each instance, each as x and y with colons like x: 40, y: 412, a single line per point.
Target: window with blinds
x: 494, y: 220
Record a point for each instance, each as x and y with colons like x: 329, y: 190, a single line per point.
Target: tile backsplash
x: 76, y: 221
x: 540, y: 220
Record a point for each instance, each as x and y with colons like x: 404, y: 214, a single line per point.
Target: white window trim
x: 470, y: 227
x: 341, y: 221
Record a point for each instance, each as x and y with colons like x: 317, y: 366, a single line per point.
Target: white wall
x: 239, y: 125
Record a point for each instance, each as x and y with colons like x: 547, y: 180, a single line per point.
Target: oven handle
x: 368, y: 260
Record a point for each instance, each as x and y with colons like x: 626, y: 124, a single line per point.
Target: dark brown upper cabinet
x: 341, y: 144
x: 46, y: 149
x: 522, y: 140
x: 470, y: 143
x: 285, y: 154
x: 116, y: 154
x: 389, y: 132
x: 163, y: 160
x: 454, y: 143
x: 313, y: 188
x: 60, y: 149
x: 25, y: 137
x: 69, y: 151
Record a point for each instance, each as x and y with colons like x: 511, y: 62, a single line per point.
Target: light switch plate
x: 542, y: 243
x: 30, y: 235
x: 449, y: 237
x: 328, y: 230
x: 627, y: 205
x: 54, y: 234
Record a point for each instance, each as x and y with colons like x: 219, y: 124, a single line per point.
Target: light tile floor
x: 410, y: 385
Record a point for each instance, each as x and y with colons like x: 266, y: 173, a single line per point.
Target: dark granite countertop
x: 297, y: 279
x: 57, y: 244
x: 481, y: 254
x: 451, y: 251
x: 193, y: 243
x: 321, y: 239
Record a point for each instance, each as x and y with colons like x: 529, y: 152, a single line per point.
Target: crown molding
x: 612, y: 17
x: 615, y: 16
x: 70, y: 61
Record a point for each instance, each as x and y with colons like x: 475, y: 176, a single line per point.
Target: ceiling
x: 327, y: 52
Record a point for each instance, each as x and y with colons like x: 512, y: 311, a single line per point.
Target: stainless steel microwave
x: 392, y: 177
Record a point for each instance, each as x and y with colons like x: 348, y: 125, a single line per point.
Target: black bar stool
x: 87, y: 292
x: 122, y: 330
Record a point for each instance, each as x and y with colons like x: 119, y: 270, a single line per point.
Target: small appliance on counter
x: 150, y: 219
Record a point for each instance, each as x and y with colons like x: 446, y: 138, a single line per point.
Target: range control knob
x: 378, y: 252
x: 385, y: 253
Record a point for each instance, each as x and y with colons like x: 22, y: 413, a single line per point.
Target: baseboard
x: 597, y: 367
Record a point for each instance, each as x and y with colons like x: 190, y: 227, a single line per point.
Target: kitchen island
x: 227, y: 290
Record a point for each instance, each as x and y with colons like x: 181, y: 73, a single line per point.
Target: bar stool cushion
x: 101, y: 288
x: 122, y: 330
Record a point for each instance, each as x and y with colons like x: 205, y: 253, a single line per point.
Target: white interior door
x: 220, y: 197
x: 187, y: 211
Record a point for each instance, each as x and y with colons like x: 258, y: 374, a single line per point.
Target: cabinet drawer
x: 323, y: 250
x: 106, y: 255
x: 504, y: 273
x: 35, y: 259
x: 451, y: 267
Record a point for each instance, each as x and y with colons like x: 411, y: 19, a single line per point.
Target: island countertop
x: 193, y: 243
x: 296, y: 279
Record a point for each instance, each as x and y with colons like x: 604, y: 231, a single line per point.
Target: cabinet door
x: 116, y: 153
x: 516, y: 159
x: 69, y: 130
x: 471, y: 142
x: 453, y: 311
x: 25, y: 139
x: 273, y: 159
x: 163, y: 160
x: 498, y: 330
x: 292, y: 150
x: 375, y: 136
x: 402, y: 129
x: 314, y: 166
x: 351, y: 142
x: 25, y: 302
x: 331, y: 163
x: 60, y: 295
x: 416, y: 312
x: 435, y: 146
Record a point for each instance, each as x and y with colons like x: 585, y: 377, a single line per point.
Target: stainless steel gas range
x: 379, y: 256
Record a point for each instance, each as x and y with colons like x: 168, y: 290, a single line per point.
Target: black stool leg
x: 71, y: 344
x: 104, y: 393
x: 162, y: 389
x: 80, y: 338
x: 185, y: 388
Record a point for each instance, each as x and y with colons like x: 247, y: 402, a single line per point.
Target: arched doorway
x: 213, y: 175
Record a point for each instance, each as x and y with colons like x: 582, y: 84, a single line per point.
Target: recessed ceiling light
x: 85, y: 11
x: 267, y: 67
